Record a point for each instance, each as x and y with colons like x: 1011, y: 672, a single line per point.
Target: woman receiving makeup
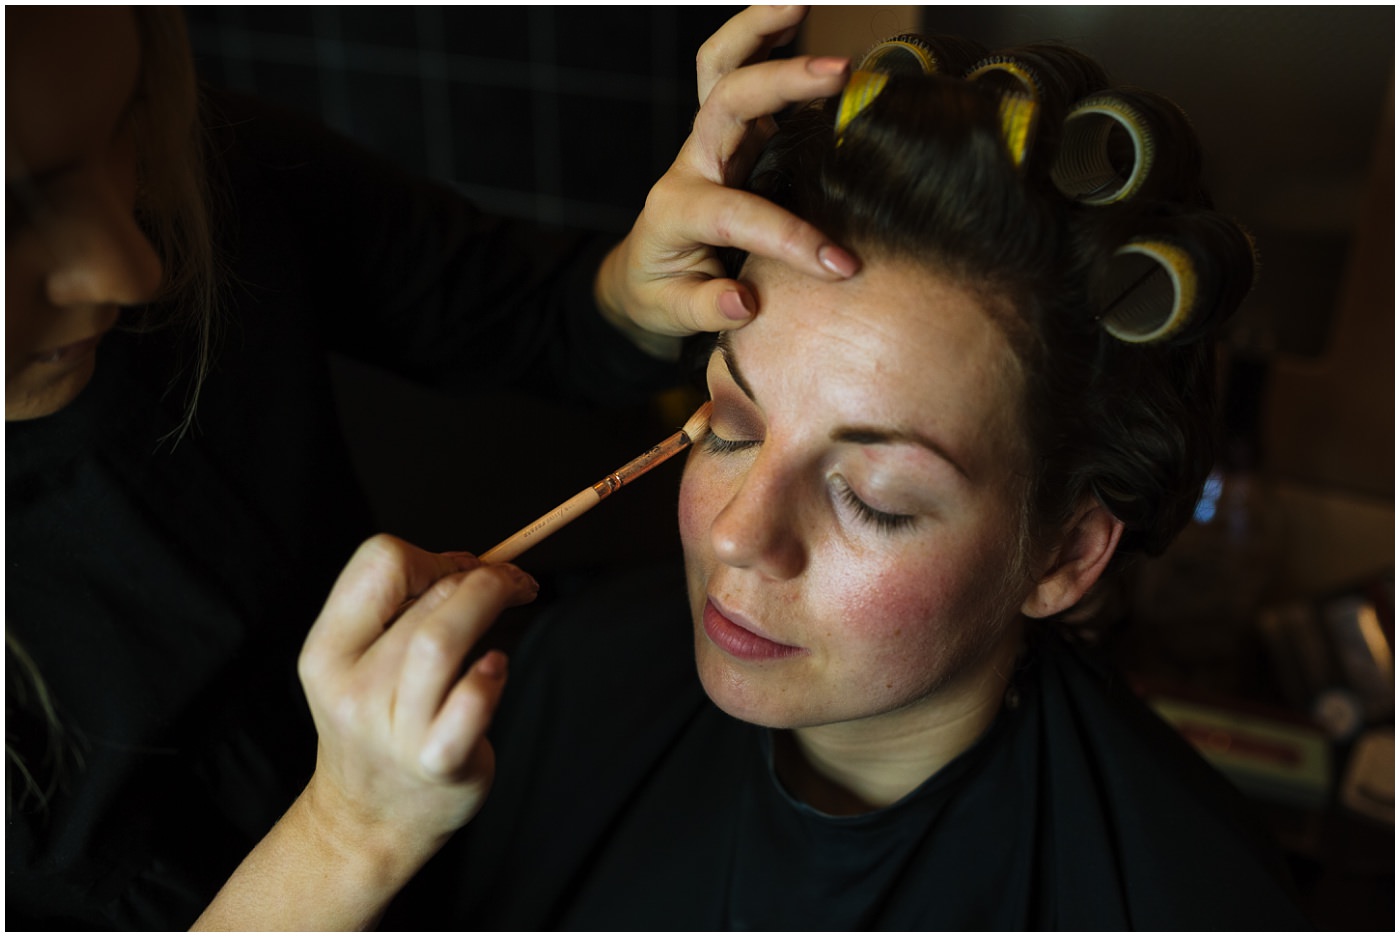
x: 178, y: 496
x: 861, y: 704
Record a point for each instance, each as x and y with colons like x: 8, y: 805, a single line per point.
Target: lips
x: 66, y: 353
x: 733, y: 635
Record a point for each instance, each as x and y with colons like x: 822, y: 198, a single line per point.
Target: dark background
x: 565, y: 115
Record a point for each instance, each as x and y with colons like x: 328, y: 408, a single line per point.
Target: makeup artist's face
x: 73, y: 251
x: 849, y: 526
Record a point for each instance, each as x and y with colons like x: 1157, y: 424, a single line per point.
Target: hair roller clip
x: 863, y: 88
x: 901, y: 54
x: 1109, y: 150
x: 1178, y: 281
x: 1006, y: 74
x: 1021, y: 93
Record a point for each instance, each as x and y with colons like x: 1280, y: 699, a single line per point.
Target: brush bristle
x: 696, y: 426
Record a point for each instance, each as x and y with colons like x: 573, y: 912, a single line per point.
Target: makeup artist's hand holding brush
x: 402, y: 760
x: 665, y: 278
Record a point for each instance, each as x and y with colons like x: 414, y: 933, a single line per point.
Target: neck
x: 854, y: 767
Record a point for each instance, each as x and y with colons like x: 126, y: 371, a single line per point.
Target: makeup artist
x: 178, y: 497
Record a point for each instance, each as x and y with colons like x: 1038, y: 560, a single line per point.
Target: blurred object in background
x: 1287, y: 762
x: 1333, y: 659
x: 1369, y: 785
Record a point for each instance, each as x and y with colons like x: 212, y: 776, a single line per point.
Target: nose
x: 103, y: 258
x: 760, y: 528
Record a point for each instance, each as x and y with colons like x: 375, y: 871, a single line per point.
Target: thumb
x: 715, y: 305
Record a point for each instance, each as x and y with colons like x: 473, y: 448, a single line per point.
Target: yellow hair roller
x: 900, y: 54
x: 1017, y: 115
x: 997, y: 69
x: 863, y: 88
x: 1020, y: 101
x: 1155, y: 291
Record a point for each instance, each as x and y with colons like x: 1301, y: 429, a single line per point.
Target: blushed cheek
x: 884, y: 603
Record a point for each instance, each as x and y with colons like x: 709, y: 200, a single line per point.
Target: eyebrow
x: 859, y: 435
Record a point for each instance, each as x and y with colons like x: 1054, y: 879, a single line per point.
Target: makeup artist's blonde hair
x: 175, y: 195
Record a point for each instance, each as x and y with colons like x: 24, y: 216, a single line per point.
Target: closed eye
x: 718, y: 445
x: 882, y: 520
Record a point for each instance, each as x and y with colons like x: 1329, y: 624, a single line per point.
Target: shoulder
x: 1180, y: 842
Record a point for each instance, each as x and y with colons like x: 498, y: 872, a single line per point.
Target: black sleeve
x: 407, y: 274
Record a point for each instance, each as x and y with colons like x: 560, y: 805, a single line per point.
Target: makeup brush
x: 526, y: 537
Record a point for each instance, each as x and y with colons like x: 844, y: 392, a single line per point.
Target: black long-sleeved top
x: 625, y: 800
x: 162, y: 588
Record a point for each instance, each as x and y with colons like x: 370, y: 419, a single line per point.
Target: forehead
x: 893, y: 320
x: 896, y: 344
x: 69, y: 72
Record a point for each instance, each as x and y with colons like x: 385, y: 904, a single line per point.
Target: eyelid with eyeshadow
x: 718, y: 445
x: 884, y: 521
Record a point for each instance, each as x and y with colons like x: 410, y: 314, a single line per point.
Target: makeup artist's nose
x: 758, y: 528
x: 102, y: 257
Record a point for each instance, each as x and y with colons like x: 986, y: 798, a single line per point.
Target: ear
x: 1085, y: 548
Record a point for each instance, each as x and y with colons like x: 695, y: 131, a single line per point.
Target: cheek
x: 701, y: 498
x: 884, y: 604
x: 933, y: 603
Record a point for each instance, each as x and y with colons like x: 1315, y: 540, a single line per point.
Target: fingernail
x: 492, y: 664
x: 734, y: 306
x: 522, y: 579
x: 827, y: 65
x: 837, y: 261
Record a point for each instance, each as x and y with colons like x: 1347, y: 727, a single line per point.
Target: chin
x: 755, y: 701
x: 32, y: 401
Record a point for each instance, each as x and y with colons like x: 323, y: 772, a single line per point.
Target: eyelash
x: 721, y: 446
x: 885, y: 522
x: 881, y: 520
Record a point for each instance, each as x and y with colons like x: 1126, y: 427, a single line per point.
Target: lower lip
x: 740, y: 642
x: 67, y: 353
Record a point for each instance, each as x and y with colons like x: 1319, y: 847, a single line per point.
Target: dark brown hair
x: 924, y: 173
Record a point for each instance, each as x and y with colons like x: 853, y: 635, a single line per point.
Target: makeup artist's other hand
x: 402, y: 760
x: 665, y: 278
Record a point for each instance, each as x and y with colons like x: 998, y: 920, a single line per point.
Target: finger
x: 380, y: 577
x: 703, y: 304
x: 463, y: 719
x: 747, y: 37
x: 725, y: 217
x: 389, y: 650
x: 441, y: 641
x: 750, y: 95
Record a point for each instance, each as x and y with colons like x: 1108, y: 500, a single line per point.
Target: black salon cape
x: 164, y: 590
x: 625, y: 800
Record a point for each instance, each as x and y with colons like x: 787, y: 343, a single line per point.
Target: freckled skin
x: 900, y: 629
